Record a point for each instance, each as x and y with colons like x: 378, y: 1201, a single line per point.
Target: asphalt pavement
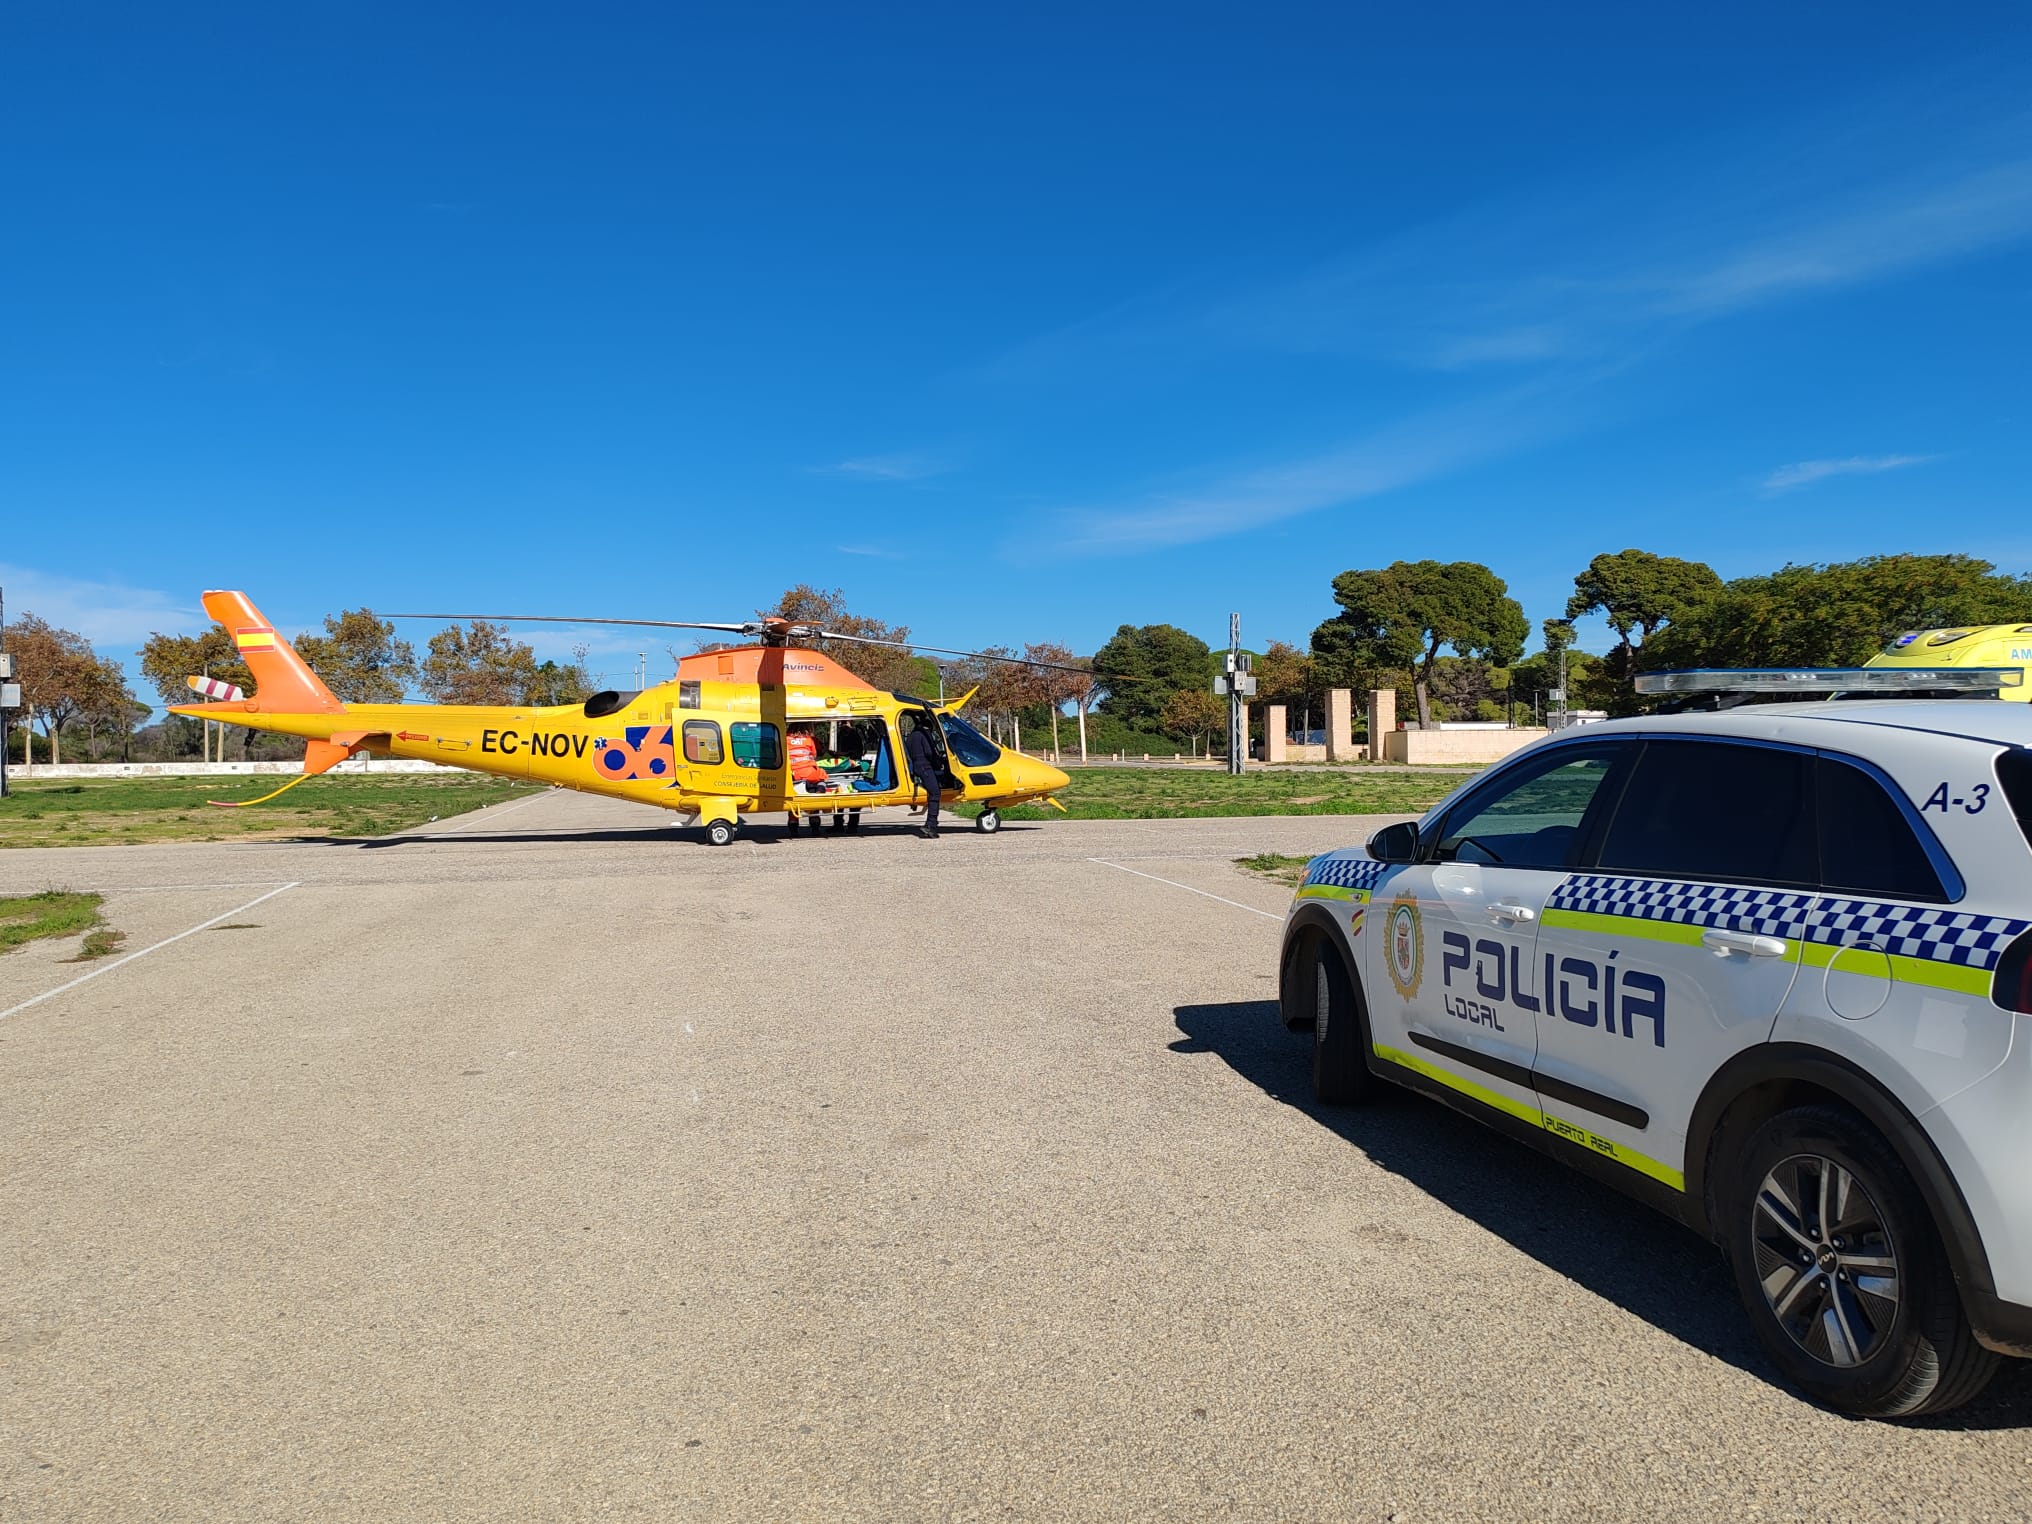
x: 548, y: 1164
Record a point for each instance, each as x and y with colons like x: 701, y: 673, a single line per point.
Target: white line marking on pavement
x: 479, y: 815
x: 1267, y: 915
x: 123, y: 962
x: 1225, y: 856
x: 237, y: 883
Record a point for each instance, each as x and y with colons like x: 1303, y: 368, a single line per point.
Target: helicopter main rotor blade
x: 1014, y: 661
x: 780, y: 631
x: 753, y: 627
x: 912, y: 645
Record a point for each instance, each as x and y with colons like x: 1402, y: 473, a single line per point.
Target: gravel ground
x: 547, y: 1164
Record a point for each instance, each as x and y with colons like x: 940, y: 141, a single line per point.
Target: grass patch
x: 130, y: 811
x: 1278, y: 867
x: 99, y: 944
x: 26, y: 918
x: 1147, y: 793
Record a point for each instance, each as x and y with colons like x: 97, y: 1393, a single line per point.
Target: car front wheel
x: 1843, y: 1273
x: 1340, y: 1040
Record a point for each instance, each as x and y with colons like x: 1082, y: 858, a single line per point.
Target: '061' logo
x: 1404, y: 946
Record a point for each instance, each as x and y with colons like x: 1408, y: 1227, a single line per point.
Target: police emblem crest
x: 1404, y: 947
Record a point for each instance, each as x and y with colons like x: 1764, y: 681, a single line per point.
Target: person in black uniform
x: 927, y: 760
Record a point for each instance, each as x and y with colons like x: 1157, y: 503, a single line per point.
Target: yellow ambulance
x: 1988, y: 645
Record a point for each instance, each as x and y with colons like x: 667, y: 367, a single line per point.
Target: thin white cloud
x: 886, y: 468
x: 1927, y: 220
x: 1593, y: 273
x: 1429, y: 445
x: 1591, y: 281
x: 869, y: 550
x: 116, y: 618
x: 1804, y: 473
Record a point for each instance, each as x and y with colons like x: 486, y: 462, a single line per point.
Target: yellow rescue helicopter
x: 761, y: 728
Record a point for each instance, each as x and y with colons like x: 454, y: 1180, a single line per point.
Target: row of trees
x: 1452, y: 640
x: 1665, y: 613
x: 66, y: 685
x: 1448, y: 634
x: 361, y: 659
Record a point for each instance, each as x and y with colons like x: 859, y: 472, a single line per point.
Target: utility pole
x: 1238, y: 684
x: 10, y: 695
x: 1238, y: 714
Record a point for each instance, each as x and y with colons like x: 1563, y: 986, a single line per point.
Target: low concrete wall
x: 1456, y: 746
x: 16, y: 773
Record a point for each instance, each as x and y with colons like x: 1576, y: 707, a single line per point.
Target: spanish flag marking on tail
x: 256, y: 638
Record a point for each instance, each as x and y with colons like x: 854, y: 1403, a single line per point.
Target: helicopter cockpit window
x: 968, y: 744
x: 753, y: 745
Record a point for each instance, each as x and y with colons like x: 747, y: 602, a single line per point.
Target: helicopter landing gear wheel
x: 988, y: 822
x: 791, y: 823
x: 720, y: 832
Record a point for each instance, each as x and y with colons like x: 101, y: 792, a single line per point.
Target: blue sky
x: 1017, y: 326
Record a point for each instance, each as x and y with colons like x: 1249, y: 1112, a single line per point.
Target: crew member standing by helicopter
x: 927, y: 760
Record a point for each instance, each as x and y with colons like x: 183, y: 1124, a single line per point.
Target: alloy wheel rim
x: 1825, y: 1259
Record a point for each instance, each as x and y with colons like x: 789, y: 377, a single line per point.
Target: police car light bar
x: 1812, y: 680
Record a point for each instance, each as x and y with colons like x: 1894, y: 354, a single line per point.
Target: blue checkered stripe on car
x: 1346, y: 872
x: 1765, y: 912
x: 1913, y: 931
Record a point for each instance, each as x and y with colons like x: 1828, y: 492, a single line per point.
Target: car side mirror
x: 1395, y: 844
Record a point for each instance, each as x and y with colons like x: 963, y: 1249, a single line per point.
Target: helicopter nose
x: 1035, y: 777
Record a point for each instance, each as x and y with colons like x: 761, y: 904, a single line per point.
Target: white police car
x: 1767, y: 968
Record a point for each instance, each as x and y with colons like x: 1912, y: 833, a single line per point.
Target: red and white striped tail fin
x: 212, y: 688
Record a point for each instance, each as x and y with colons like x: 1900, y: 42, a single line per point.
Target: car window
x: 1867, y: 843
x: 2014, y: 772
x: 1716, y: 809
x: 1530, y: 818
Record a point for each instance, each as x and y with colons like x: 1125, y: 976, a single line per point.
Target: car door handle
x: 1511, y: 911
x: 1722, y: 943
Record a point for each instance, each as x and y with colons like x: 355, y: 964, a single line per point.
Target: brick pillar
x: 1273, y: 733
x: 1340, y: 725
x: 1382, y: 720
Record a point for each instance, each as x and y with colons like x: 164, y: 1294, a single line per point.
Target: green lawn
x: 26, y: 918
x: 1153, y: 793
x: 134, y: 810
x: 123, y: 811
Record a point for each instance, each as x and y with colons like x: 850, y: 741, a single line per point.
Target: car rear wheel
x: 1340, y: 1038
x: 1843, y: 1273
